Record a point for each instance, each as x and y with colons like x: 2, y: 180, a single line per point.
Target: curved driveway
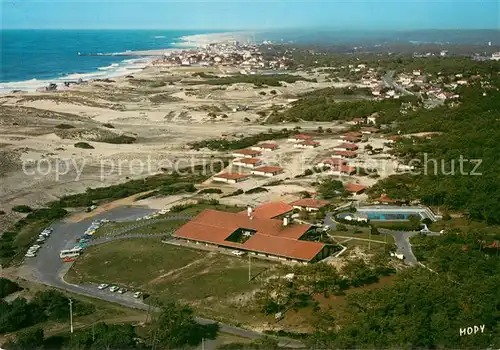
x: 401, y: 239
x: 47, y: 268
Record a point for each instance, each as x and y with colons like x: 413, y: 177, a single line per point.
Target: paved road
x: 388, y: 79
x: 401, y: 239
x: 47, y: 268
x: 143, y: 223
x: 329, y: 221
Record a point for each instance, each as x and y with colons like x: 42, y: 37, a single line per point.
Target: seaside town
x: 280, y: 181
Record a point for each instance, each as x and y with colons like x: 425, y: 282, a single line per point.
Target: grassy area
x: 198, y: 208
x: 159, y: 227
x: 129, y: 262
x: 365, y: 245
x: 365, y: 234
x: 211, y: 282
x: 396, y: 225
x: 103, y: 311
x: 465, y: 225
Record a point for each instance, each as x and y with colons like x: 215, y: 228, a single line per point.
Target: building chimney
x: 285, y: 221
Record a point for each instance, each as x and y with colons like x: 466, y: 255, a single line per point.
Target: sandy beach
x: 133, y: 61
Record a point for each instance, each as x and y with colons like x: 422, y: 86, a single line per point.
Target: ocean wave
x: 83, y: 76
x: 111, y: 66
x: 28, y: 85
x: 112, y: 71
x: 160, y: 37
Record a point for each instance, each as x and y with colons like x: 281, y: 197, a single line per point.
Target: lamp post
x: 71, y: 315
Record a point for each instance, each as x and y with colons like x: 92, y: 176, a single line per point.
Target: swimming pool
x: 392, y: 216
x: 394, y: 213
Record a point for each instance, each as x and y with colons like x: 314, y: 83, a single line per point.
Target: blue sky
x: 256, y: 14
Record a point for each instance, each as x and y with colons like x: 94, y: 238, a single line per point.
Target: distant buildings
x: 246, y: 153
x: 310, y: 204
x: 354, y: 188
x: 307, y: 144
x: 346, y: 147
x: 300, y: 138
x: 268, y: 171
x: 230, y: 178
x: 248, y: 162
x: 265, y: 147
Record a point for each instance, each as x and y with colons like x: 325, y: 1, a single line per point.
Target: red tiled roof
x: 346, y: 154
x: 231, y: 176
x: 249, y: 152
x: 334, y: 161
x: 302, y: 137
x: 310, y: 203
x: 310, y: 143
x: 352, y: 138
x: 248, y: 160
x: 354, y: 188
x: 270, y: 210
x: 268, y: 145
x: 353, y: 133
x: 269, y: 169
x: 271, y: 237
x: 302, y: 250
x: 369, y: 129
x: 386, y: 199
x: 348, y: 146
x: 346, y: 169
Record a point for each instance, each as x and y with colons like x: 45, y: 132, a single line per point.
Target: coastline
x: 132, y: 63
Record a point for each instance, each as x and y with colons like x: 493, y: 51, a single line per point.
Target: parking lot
x: 48, y: 268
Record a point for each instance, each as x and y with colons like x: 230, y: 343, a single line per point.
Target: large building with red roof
x: 310, y: 204
x: 254, y: 233
x: 270, y: 210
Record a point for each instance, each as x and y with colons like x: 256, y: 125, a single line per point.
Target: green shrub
x: 120, y: 139
x: 224, y: 145
x: 256, y: 190
x: 180, y: 207
x: 22, y: 209
x: 84, y: 145
x: 235, y: 193
x: 7, y: 287
x: 64, y: 126
x: 210, y: 190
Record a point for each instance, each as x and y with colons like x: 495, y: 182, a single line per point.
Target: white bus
x: 70, y: 253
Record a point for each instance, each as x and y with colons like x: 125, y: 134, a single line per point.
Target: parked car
x: 69, y: 259
x: 30, y: 254
x: 238, y: 253
x: 114, y: 289
x: 122, y: 290
x: 137, y: 295
x: 103, y: 286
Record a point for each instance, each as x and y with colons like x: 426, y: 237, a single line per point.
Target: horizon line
x: 271, y: 29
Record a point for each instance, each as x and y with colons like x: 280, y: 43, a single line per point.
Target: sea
x: 33, y: 58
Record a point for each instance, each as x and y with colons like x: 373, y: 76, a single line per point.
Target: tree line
x: 424, y: 308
